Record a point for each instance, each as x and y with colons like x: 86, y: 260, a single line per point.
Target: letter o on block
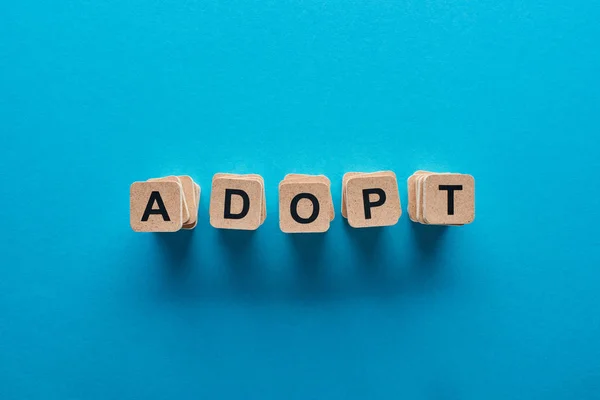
x: 304, y: 207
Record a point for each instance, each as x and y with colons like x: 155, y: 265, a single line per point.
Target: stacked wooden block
x: 441, y: 198
x: 164, y: 204
x: 370, y: 199
x: 305, y: 202
x: 237, y: 201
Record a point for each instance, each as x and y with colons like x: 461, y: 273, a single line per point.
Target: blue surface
x: 97, y: 94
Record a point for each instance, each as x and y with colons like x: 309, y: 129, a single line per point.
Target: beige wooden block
x: 304, y: 206
x: 313, y: 178
x: 418, y: 184
x: 236, y: 202
x: 194, y: 209
x: 372, y: 199
x: 186, y: 193
x: 156, y: 206
x: 448, y: 199
x: 257, y: 177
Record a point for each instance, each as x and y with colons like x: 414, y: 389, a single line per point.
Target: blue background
x: 97, y: 94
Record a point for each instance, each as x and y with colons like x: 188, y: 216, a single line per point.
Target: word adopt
x: 305, y: 203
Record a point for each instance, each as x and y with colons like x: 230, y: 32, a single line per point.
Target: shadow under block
x: 371, y: 199
x: 441, y: 198
x: 305, y: 204
x: 237, y: 201
x: 156, y: 206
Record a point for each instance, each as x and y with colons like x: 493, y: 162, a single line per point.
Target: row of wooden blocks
x: 305, y: 203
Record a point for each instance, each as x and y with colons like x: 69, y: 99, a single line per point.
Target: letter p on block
x: 371, y: 199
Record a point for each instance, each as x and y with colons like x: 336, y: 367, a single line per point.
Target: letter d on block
x: 245, y: 204
x: 237, y: 202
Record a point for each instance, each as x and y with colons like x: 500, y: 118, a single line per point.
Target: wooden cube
x: 447, y: 199
x: 371, y: 199
x: 305, y: 204
x: 237, y: 202
x: 156, y: 206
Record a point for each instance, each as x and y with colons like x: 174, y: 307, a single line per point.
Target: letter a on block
x: 305, y: 205
x: 372, y: 199
x: 236, y: 202
x: 155, y: 206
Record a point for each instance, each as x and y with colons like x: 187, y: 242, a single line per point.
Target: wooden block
x: 372, y: 199
x: 256, y: 177
x: 156, y: 206
x: 448, y: 199
x: 236, y: 202
x: 418, y: 204
x: 305, y: 205
x: 185, y: 210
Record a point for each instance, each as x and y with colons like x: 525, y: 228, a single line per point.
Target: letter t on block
x: 448, y: 199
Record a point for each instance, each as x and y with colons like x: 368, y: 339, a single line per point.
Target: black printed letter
x: 368, y: 204
x: 155, y: 197
x: 294, y: 208
x: 451, y: 189
x: 245, y: 207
